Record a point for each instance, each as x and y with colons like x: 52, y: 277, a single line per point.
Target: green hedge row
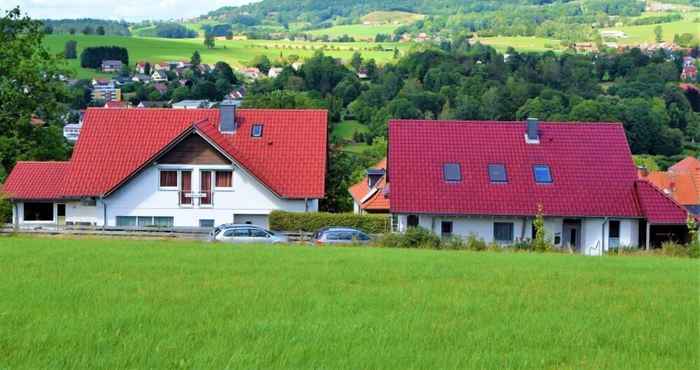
x: 312, y: 221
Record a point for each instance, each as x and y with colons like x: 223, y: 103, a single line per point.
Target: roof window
x: 452, y: 172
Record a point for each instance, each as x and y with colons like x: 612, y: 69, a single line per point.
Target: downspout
x: 16, y: 218
x: 602, y: 236
x: 104, y: 213
x: 522, y: 229
x: 306, y: 204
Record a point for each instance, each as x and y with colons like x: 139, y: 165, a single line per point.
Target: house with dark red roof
x: 171, y: 168
x: 370, y: 194
x: 489, y: 179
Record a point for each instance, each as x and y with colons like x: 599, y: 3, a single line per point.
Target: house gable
x: 193, y: 150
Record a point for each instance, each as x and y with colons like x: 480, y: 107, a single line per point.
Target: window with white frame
x: 224, y: 179
x: 168, y: 179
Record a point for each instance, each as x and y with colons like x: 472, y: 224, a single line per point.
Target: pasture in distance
x: 109, y: 303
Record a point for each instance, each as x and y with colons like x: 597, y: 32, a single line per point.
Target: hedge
x: 312, y: 221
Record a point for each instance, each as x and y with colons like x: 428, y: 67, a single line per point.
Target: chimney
x: 642, y: 172
x: 227, y: 117
x: 533, y: 130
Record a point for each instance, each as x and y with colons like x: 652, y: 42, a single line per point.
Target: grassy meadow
x: 645, y: 33
x: 346, y: 129
x: 235, y: 52
x: 112, y: 304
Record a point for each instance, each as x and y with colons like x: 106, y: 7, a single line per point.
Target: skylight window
x: 256, y: 130
x: 497, y: 173
x: 452, y: 172
x: 542, y: 174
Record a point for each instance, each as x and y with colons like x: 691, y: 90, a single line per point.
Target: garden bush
x: 673, y: 249
x: 312, y: 221
x: 414, y: 237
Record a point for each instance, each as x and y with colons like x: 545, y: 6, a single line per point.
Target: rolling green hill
x: 236, y: 53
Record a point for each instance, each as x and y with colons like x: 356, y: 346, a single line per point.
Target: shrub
x: 475, y: 244
x: 453, y: 243
x: 522, y: 245
x: 312, y: 221
x: 673, y: 249
x: 414, y: 237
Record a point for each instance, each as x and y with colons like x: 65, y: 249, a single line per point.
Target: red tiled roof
x: 681, y: 181
x: 36, y: 180
x: 591, y: 166
x: 114, y: 143
x: 658, y: 208
x: 378, y: 201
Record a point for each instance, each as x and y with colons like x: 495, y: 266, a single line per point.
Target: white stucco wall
x: 143, y: 197
x: 593, y: 232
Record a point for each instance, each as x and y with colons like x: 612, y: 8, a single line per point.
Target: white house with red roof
x: 489, y: 178
x: 178, y: 168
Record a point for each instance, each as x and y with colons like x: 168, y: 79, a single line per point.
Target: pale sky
x: 130, y: 10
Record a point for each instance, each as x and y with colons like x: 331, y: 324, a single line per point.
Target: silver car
x: 235, y: 233
x: 340, y: 235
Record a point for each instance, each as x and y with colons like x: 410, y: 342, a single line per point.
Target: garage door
x: 258, y: 220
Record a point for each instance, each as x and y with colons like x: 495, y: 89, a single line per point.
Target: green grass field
x: 645, y: 33
x: 236, y: 53
x: 522, y: 43
x: 357, y: 31
x: 346, y: 129
x: 113, y: 304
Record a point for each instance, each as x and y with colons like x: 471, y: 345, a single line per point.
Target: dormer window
x: 542, y: 174
x: 256, y: 130
x: 497, y: 173
x: 452, y: 172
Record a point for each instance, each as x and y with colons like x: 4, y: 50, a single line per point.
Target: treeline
x: 92, y: 57
x: 72, y: 26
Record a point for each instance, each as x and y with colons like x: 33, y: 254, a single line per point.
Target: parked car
x: 340, y: 235
x: 243, y: 233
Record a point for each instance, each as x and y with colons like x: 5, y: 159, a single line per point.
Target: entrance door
x: 571, y: 234
x: 61, y: 214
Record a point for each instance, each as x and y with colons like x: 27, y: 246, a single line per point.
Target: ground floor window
x: 206, y: 223
x: 145, y: 221
x: 412, y: 221
x: 446, y: 229
x: 38, y: 211
x: 614, y: 234
x: 503, y: 232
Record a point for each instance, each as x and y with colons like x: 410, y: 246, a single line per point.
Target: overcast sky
x: 130, y: 10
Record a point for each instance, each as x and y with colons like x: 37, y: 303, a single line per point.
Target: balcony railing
x: 187, y: 198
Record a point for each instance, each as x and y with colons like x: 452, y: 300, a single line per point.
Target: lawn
x: 346, y: 129
x: 236, y: 53
x: 113, y: 304
x: 522, y: 43
x: 357, y: 31
x: 645, y: 33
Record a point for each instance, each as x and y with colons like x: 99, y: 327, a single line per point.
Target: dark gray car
x: 340, y: 235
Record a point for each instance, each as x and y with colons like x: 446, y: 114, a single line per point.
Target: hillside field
x: 357, y: 31
x: 236, y: 53
x: 645, y: 33
x: 113, y: 304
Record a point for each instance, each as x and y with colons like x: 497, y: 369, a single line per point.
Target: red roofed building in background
x: 370, y: 194
x: 167, y: 167
x: 681, y: 182
x: 489, y: 178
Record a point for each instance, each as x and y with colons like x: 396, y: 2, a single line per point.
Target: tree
x: 209, y: 41
x: 100, y: 30
x: 71, y: 31
x: 262, y: 62
x: 32, y: 90
x: 88, y: 30
x: 223, y: 70
x: 356, y: 61
x: 147, y: 68
x: 196, y: 59
x: 659, y: 34
x: 70, y: 49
